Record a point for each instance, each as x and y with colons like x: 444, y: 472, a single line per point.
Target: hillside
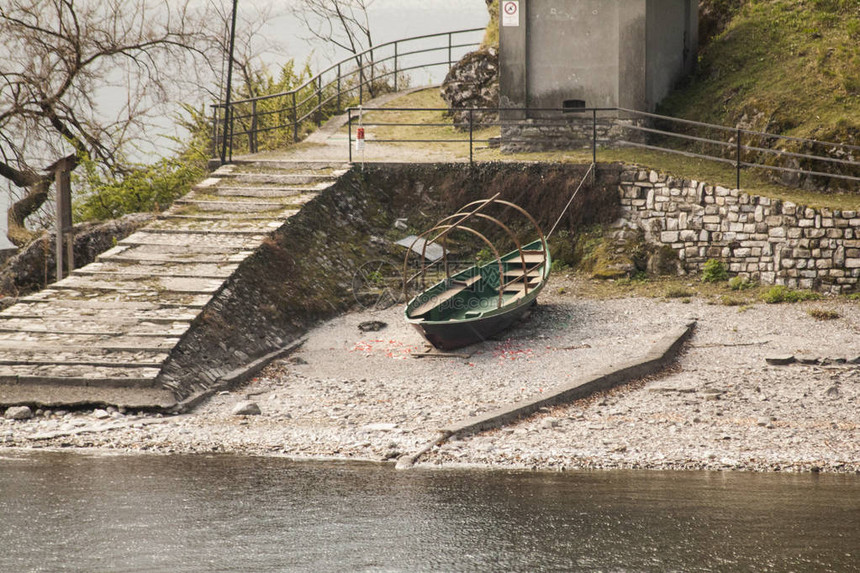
x: 784, y: 66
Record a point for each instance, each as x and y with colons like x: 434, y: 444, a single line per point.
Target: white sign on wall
x: 510, y: 13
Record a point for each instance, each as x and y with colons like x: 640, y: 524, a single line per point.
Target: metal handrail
x: 618, y: 115
x: 340, y: 85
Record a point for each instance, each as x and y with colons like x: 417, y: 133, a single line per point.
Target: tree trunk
x: 36, y: 196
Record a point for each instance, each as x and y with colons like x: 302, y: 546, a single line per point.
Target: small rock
x: 781, y: 360
x: 379, y: 427
x: 832, y: 392
x: 246, y: 408
x: 297, y: 360
x: 549, y: 423
x: 18, y: 413
x: 400, y: 224
x: 763, y: 422
x: 100, y: 414
x: 371, y: 326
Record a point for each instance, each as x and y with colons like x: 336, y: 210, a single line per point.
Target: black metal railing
x: 273, y: 120
x: 610, y: 128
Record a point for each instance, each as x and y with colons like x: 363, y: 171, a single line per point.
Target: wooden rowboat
x: 483, y: 300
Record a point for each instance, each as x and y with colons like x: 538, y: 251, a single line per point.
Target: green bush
x: 714, y: 271
x: 139, y: 188
x: 740, y: 283
x: 781, y: 293
x: 823, y: 314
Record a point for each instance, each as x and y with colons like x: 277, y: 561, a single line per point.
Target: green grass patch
x: 741, y: 283
x: 678, y: 292
x: 823, y: 314
x: 779, y: 294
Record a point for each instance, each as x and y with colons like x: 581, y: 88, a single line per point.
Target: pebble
x: 18, y: 413
x: 246, y: 408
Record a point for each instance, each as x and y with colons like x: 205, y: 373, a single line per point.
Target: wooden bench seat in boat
x: 457, y: 286
x: 520, y: 286
x: 531, y: 258
x: 515, y: 272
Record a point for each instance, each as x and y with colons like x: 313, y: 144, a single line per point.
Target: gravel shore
x: 349, y: 393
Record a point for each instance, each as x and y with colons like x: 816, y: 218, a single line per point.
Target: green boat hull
x: 467, y: 308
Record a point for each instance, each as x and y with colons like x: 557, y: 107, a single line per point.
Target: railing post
x: 319, y: 101
x: 349, y: 121
x: 215, y: 131
x: 450, y: 58
x: 338, y: 88
x: 252, y: 134
x: 471, y: 132
x: 232, y: 113
x: 395, y: 66
x: 295, y: 120
x: 738, y: 160
x: 593, y: 144
x: 360, y: 80
x: 372, y: 74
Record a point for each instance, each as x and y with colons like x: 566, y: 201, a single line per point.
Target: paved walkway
x: 103, y: 334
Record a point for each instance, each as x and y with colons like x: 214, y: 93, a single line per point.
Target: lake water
x: 228, y: 513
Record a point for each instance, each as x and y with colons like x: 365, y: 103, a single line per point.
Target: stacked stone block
x: 767, y: 240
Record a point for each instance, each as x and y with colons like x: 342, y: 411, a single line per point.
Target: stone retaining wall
x: 767, y: 240
x: 574, y: 131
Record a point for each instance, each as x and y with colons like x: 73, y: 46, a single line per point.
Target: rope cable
x: 566, y: 207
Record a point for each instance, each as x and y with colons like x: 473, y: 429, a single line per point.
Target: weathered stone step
x: 299, y: 178
x: 165, y: 300
x: 84, y: 357
x: 52, y: 396
x: 141, y: 283
x: 211, y: 223
x: 237, y: 206
x: 113, y: 326
x: 93, y: 376
x: 59, y: 342
x: 179, y: 255
x: 235, y: 230
x: 202, y: 270
x: 89, y: 308
x: 196, y: 241
x: 262, y: 192
x: 79, y: 375
x: 259, y: 165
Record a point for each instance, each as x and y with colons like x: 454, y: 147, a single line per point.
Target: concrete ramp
x: 104, y: 334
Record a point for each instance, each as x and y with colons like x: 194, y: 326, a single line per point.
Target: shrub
x: 714, y: 271
x: 823, y: 314
x: 780, y: 293
x: 740, y: 283
x: 678, y: 292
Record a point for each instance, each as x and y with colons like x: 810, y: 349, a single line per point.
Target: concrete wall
x: 572, y: 52
x: 608, y: 53
x: 670, y: 55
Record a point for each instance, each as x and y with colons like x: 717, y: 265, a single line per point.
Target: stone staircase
x: 104, y: 334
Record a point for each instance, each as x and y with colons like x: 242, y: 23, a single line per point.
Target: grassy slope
x: 790, y: 66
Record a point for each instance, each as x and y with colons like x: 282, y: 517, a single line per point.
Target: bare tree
x: 62, y: 60
x: 342, y: 23
x: 250, y: 48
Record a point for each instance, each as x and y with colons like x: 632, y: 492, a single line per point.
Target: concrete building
x: 594, y: 53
